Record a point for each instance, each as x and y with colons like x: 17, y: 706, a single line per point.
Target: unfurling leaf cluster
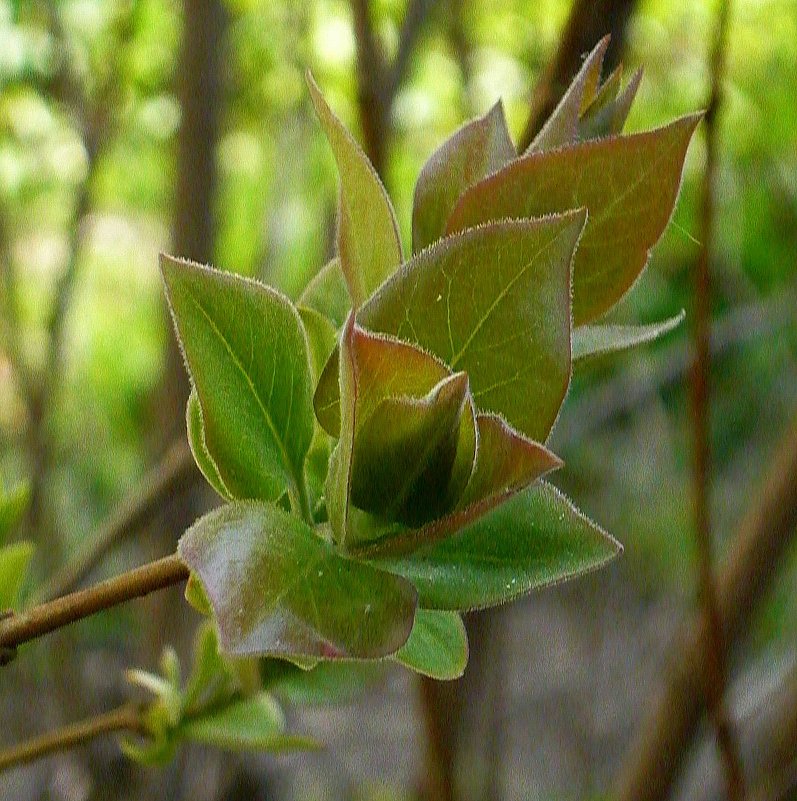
x: 380, y: 442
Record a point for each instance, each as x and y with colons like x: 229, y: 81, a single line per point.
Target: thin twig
x: 18, y: 629
x: 174, y: 473
x: 715, y: 648
x: 663, y: 738
x: 125, y: 718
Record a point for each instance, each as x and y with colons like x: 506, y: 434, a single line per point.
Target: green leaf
x: 609, y: 110
x: 14, y: 564
x: 383, y: 376
x: 252, y: 724
x: 247, y: 353
x: 211, y: 679
x: 505, y: 461
x: 561, y: 128
x: 495, y: 302
x: 629, y: 184
x: 196, y: 441
x: 13, y: 505
x: 477, y: 149
x: 473, y: 560
x: 325, y: 683
x: 327, y: 294
x: 405, y: 452
x: 196, y: 596
x: 368, y: 239
x: 279, y: 589
x: 321, y: 338
x: 597, y: 340
x: 437, y: 647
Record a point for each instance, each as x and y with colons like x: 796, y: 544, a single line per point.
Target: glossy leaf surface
x: 629, y: 184
x: 248, y: 357
x: 473, y: 152
x: 368, y: 240
x: 437, y: 647
x: 278, y: 589
x: 597, y: 340
x: 495, y: 303
x: 534, y: 539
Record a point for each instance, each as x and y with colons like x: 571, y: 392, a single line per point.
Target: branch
x: 714, y: 647
x: 588, y: 22
x: 174, y: 473
x: 18, y: 629
x: 656, y: 757
x: 377, y: 82
x: 125, y: 718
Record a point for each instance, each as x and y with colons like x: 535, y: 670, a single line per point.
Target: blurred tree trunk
x: 199, y: 88
x: 199, y: 91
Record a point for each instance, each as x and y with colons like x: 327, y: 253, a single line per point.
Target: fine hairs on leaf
x: 378, y: 447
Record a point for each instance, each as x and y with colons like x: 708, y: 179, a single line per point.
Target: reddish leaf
x: 629, y: 184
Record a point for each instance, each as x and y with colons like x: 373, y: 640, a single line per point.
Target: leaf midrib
x: 502, y: 294
x: 291, y: 474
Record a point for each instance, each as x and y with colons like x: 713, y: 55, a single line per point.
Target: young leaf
x: 323, y: 684
x: 477, y: 149
x: 405, y: 451
x: 629, y: 184
x: 327, y: 294
x: 472, y: 560
x: 608, y: 112
x: 495, y: 302
x: 278, y: 589
x: 14, y: 563
x: 381, y: 382
x: 247, y: 353
x: 598, y: 340
x: 13, y: 504
x: 196, y: 441
x: 321, y: 338
x: 505, y: 461
x: 561, y: 128
x: 437, y: 647
x: 251, y: 724
x: 368, y: 239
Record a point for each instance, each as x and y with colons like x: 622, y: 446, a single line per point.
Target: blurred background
x: 130, y: 127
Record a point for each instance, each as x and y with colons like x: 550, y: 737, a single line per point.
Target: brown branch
x: 589, y: 21
x: 714, y: 647
x: 417, y: 11
x: 377, y: 81
x: 174, y: 473
x: 47, y: 617
x: 125, y: 718
x: 656, y: 757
